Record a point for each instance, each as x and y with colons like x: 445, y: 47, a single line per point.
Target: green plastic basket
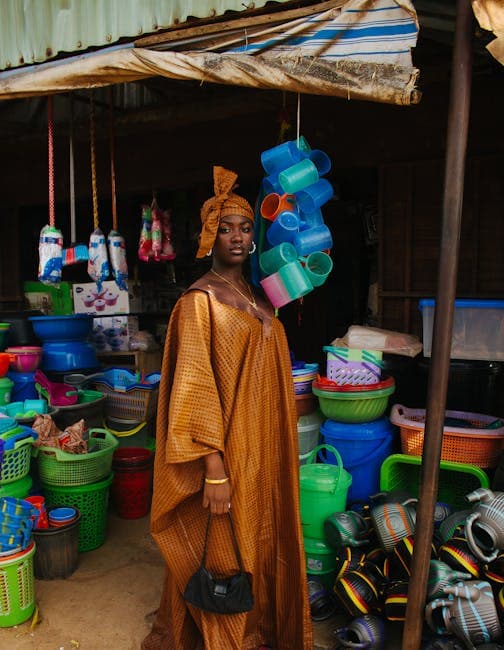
x: 402, y: 472
x: 92, y: 502
x: 19, y: 489
x: 17, y: 591
x: 57, y: 467
x: 16, y: 462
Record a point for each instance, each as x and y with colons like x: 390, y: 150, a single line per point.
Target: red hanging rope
x: 50, y: 148
x: 112, y: 163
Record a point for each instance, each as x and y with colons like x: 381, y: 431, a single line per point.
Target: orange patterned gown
x: 227, y: 385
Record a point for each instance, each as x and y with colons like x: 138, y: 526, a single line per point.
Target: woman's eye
x: 223, y: 230
x: 246, y: 229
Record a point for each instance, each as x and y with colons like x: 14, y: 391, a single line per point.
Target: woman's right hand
x: 217, y: 498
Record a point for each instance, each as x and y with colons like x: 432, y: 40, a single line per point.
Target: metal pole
x: 458, y: 118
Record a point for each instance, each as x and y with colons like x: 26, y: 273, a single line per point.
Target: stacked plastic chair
x: 296, y: 258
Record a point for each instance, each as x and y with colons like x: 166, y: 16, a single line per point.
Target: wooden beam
x: 166, y: 37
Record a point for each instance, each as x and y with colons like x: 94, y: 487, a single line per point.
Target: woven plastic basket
x: 480, y: 445
x: 92, y: 502
x: 455, y: 480
x: 57, y: 467
x: 15, y: 463
x: 133, y: 404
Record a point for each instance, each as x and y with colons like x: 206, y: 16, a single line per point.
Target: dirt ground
x: 110, y: 600
x: 107, y: 603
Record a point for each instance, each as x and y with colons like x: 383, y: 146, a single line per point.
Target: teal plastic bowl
x: 354, y: 407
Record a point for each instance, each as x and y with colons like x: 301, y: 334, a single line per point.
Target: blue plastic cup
x: 313, y: 197
x: 278, y: 256
x: 271, y: 185
x: 298, y: 176
x: 295, y: 280
x: 313, y: 239
x: 312, y: 219
x: 321, y: 161
x: 280, y: 157
x: 275, y: 290
x: 318, y: 265
x: 283, y: 229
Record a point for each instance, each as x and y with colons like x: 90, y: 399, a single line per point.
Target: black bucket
x: 57, y: 550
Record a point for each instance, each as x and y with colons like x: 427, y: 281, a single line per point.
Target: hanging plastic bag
x: 157, y: 235
x: 98, y: 264
x: 145, y: 244
x: 167, y: 250
x: 50, y: 255
x: 117, y: 256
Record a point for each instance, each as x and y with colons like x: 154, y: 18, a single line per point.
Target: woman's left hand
x: 217, y: 498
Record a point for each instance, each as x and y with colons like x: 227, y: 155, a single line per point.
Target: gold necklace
x: 251, y: 301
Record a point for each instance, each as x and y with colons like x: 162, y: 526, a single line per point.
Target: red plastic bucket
x: 131, y: 489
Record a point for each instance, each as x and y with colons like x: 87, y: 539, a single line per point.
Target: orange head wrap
x: 224, y: 203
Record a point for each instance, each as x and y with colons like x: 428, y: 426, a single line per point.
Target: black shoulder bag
x: 220, y: 595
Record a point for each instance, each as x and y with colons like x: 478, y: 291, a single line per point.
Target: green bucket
x: 323, y: 490
x: 5, y: 390
x: 19, y: 489
x: 319, y: 555
x: 17, y: 591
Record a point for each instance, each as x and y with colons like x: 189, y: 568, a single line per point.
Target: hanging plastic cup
x: 313, y: 197
x: 283, y: 229
x: 280, y: 157
x: 296, y: 178
x: 303, y: 146
x: 311, y: 219
x: 271, y: 185
x: 271, y: 261
x: 275, y: 289
x: 313, y: 239
x: 295, y: 280
x: 321, y: 161
x: 318, y: 265
x: 275, y: 203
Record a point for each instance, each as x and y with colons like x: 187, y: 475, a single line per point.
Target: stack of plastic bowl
x: 132, y: 484
x: 57, y: 553
x: 297, y: 259
x: 25, y: 358
x: 303, y: 375
x: 65, y: 342
x: 354, y: 403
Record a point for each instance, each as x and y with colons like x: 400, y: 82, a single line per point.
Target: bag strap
x: 233, y: 537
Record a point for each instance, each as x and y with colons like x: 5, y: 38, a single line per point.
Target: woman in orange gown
x: 227, y: 411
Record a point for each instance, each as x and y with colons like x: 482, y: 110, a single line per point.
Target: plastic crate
x: 402, y: 472
x: 92, y: 502
x: 15, y: 463
x: 479, y: 446
x: 57, y: 467
x: 477, y: 329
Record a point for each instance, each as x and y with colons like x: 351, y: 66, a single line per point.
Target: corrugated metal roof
x: 33, y: 31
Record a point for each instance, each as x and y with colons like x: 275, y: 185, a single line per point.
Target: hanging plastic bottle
x: 115, y: 241
x: 51, y: 239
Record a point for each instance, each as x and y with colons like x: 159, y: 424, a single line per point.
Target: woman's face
x: 234, y: 240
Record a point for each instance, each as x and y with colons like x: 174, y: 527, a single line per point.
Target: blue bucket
x: 363, y: 448
x: 24, y: 386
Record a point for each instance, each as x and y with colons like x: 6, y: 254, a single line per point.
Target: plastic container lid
x: 62, y: 514
x: 356, y: 431
x: 467, y: 304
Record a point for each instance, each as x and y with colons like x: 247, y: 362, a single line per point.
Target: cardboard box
x: 110, y: 300
x: 112, y: 333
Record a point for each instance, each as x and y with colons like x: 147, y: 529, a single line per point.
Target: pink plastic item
x: 276, y: 291
x: 25, y: 358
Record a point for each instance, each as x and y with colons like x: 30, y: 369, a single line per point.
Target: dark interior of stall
x: 385, y: 215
